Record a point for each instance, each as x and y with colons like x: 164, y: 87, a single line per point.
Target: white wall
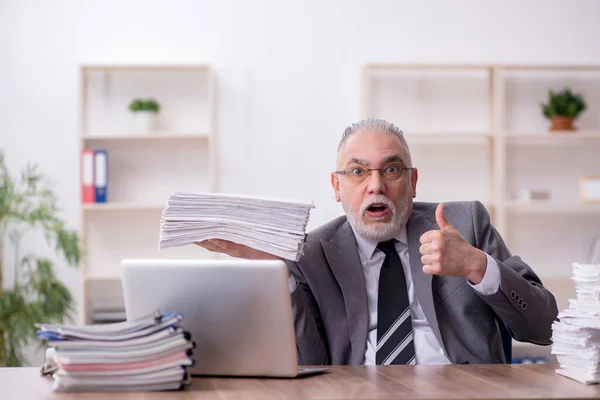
x: 288, y: 72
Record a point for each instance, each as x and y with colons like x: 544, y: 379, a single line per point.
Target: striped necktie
x: 394, y: 328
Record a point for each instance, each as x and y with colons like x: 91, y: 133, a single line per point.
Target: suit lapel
x: 342, y: 255
x: 418, y: 224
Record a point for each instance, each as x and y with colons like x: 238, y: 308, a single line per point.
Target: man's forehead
x: 382, y: 158
x: 372, y: 147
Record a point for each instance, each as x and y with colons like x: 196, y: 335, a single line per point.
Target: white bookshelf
x: 477, y: 133
x: 143, y: 168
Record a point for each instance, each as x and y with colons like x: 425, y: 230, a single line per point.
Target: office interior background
x: 255, y: 95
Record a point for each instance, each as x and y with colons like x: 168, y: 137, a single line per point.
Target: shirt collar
x: 367, y: 246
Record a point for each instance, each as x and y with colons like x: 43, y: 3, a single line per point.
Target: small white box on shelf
x: 590, y: 189
x: 529, y: 195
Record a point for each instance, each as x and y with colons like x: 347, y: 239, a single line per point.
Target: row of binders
x: 576, y: 334
x: 148, y: 354
x: 94, y: 175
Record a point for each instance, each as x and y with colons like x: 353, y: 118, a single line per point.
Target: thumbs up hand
x: 445, y: 252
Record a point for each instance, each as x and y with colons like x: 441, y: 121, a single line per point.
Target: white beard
x: 379, y: 232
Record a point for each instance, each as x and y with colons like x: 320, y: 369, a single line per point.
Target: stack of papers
x: 275, y: 226
x: 576, y: 338
x: 147, y: 354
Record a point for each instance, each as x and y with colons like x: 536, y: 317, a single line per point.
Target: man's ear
x: 335, y: 183
x: 414, y: 177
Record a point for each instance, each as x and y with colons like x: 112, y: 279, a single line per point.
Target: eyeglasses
x: 389, y: 172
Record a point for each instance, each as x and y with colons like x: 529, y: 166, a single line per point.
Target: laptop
x: 238, y: 312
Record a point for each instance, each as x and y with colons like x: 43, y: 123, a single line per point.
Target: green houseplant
x: 144, y: 112
x: 150, y: 105
x: 562, y: 109
x: 35, y: 294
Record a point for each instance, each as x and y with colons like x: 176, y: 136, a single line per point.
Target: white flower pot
x: 144, y: 121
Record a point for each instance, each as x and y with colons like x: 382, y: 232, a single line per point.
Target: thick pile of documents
x: 576, y: 338
x: 147, y: 354
x: 270, y: 225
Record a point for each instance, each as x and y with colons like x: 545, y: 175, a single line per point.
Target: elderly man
x: 397, y: 282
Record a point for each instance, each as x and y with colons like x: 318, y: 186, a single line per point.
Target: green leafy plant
x: 563, y: 104
x: 35, y: 294
x: 144, y: 105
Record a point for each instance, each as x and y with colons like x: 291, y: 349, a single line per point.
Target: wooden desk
x: 357, y: 382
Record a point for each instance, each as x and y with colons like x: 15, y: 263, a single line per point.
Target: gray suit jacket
x: 330, y: 302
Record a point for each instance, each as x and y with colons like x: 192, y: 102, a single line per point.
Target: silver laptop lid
x: 237, y: 311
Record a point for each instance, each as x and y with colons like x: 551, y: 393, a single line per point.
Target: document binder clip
x: 158, y: 317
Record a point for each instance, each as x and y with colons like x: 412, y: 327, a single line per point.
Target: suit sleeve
x: 310, y: 337
x: 523, y: 304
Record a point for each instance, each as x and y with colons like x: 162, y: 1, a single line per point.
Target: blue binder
x: 101, y: 174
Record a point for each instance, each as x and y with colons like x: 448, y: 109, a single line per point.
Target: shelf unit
x: 476, y: 132
x: 143, y: 168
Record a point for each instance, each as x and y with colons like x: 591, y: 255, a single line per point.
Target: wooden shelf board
x: 145, y: 136
x: 562, y: 137
x: 549, y: 207
x: 102, y: 278
x: 447, y: 138
x: 142, y: 67
x: 549, y: 67
x: 121, y: 206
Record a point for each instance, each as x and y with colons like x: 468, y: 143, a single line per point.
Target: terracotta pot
x: 562, y: 124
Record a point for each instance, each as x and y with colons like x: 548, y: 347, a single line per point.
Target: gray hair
x: 375, y: 125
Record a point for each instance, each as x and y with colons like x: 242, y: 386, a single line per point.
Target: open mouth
x: 377, y: 210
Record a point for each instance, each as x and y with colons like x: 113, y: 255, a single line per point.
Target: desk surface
x: 345, y: 382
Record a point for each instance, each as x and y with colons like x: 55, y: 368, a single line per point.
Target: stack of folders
x: 275, y: 226
x: 148, y: 354
x: 576, y: 336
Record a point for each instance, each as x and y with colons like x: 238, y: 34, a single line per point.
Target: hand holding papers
x: 274, y: 226
x: 577, y: 336
x: 236, y: 250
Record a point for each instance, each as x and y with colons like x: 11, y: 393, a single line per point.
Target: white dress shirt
x: 428, y: 349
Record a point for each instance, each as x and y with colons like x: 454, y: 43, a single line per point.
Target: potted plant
x: 34, y: 293
x: 144, y: 112
x: 562, y: 109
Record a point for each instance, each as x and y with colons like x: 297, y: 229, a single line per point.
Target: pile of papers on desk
x: 147, y: 354
x: 272, y: 225
x: 576, y: 338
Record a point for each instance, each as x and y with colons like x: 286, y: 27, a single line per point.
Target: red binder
x: 88, y: 189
